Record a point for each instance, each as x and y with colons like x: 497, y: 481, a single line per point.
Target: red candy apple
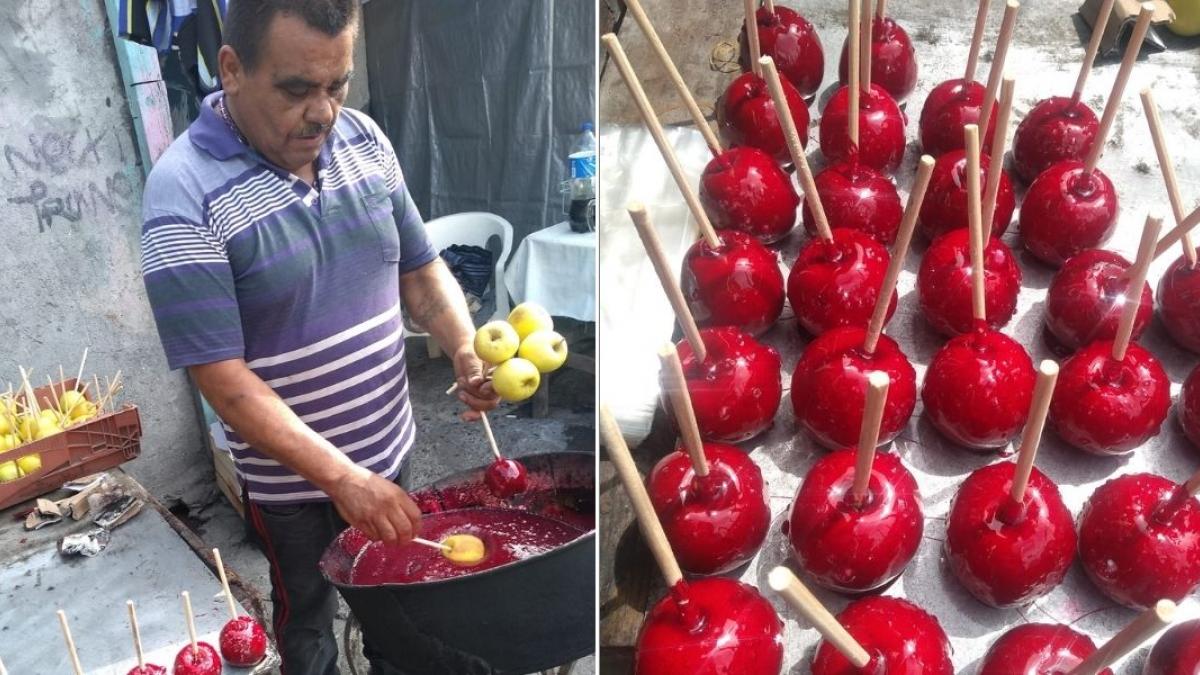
x: 717, y: 522
x: 1085, y: 301
x: 714, y: 626
x: 893, y: 59
x: 880, y: 131
x: 199, y: 660
x: 739, y: 284
x: 1038, y: 649
x: 1177, y: 652
x: 835, y: 283
x: 1139, y: 540
x: 744, y: 189
x: 899, y: 636
x: 793, y: 43
x: 1067, y: 211
x: 243, y: 642
x: 736, y: 390
x: 945, y: 205
x: 1179, y: 303
x: 944, y: 283
x: 746, y: 116
x: 1057, y: 129
x: 952, y: 105
x: 1189, y: 407
x: 857, y: 197
x: 505, y: 477
x: 148, y: 669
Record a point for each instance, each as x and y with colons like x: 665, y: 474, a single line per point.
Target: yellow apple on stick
x: 545, y: 349
x: 516, y: 380
x: 528, y: 317
x: 496, y: 342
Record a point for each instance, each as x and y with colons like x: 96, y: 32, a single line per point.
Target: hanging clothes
x: 193, y: 28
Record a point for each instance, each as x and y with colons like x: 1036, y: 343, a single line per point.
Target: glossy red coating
x: 1086, y: 299
x: 506, y: 477
x: 148, y: 669
x: 854, y: 548
x: 713, y: 626
x: 944, y: 283
x: 835, y: 283
x: 1139, y: 540
x: 1189, y: 407
x: 202, y: 660
x: 829, y: 387
x: 893, y: 59
x: 881, y: 139
x: 1054, y: 130
x: 952, y: 105
x: 792, y: 42
x: 1179, y: 303
x: 717, y: 522
x: 746, y: 116
x: 1107, y: 407
x: 945, y: 205
x: 736, y: 390
x: 855, y: 196
x: 1038, y: 649
x: 744, y: 189
x: 243, y: 642
x: 900, y: 636
x: 1008, y: 554
x: 1066, y: 212
x: 978, y: 388
x: 739, y: 284
x: 1177, y: 651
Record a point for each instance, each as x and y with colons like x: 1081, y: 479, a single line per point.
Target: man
x: 278, y: 244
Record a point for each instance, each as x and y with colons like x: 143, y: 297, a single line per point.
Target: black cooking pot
x: 526, y: 616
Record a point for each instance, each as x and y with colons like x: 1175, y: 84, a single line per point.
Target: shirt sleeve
x: 415, y: 247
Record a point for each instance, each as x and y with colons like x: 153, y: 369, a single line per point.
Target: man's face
x: 288, y: 103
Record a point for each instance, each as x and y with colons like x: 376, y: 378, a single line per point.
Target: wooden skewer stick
x: 1168, y: 171
x: 681, y: 404
x: 975, y: 218
x: 31, y: 401
x: 1192, y: 486
x: 689, y: 101
x: 66, y: 631
x: 770, y: 5
x: 1031, y: 438
x: 225, y: 584
x: 877, y: 389
x: 99, y: 398
x: 191, y: 622
x: 137, y: 634
x: 1133, y: 292
x: 613, y: 45
x: 807, y: 182
x: 3, y: 670
x: 996, y: 72
x: 899, y: 252
x: 1130, y: 638
x: 996, y: 159
x: 785, y: 583
x: 1089, y: 57
x: 976, y: 40
x: 79, y: 376
x: 666, y: 277
x: 487, y: 431
x: 752, y: 35
x: 487, y: 375
x: 881, y: 9
x: 433, y: 544
x: 1114, y: 98
x: 652, y: 529
x: 54, y: 395
x: 852, y: 71
x: 864, y: 46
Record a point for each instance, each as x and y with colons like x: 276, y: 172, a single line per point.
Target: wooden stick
x: 864, y: 46
x: 752, y: 35
x: 689, y: 101
x: 976, y: 40
x: 807, y: 183
x: 881, y: 9
x: 137, y: 634
x: 62, y: 379
x: 66, y: 631
x: 1168, y: 170
x: 770, y: 5
x: 613, y: 45
x: 3, y: 670
x: 1114, y: 98
x: 652, y: 529
x: 191, y: 622
x: 681, y: 404
x: 853, y: 72
x: 1130, y: 638
x: 996, y: 159
x: 1089, y: 56
x: 1188, y: 224
x: 1032, y: 436
x: 433, y: 544
x: 868, y: 436
x: 975, y: 218
x: 1192, y: 486
x: 225, y: 584
x: 1133, y: 292
x: 31, y: 401
x: 666, y: 277
x: 79, y: 376
x: 899, y: 252
x: 99, y: 398
x: 487, y: 431
x: 785, y: 583
x: 996, y: 72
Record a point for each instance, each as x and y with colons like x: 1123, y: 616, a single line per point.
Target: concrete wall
x: 70, y: 199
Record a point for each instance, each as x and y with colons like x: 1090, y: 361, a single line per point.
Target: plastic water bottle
x: 582, y: 212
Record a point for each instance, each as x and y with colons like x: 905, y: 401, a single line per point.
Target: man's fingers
x: 400, y: 524
x: 410, y: 509
x: 387, y: 533
x: 476, y: 402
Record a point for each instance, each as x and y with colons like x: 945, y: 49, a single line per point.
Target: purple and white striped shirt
x: 241, y: 259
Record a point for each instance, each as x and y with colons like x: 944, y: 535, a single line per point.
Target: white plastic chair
x: 473, y: 228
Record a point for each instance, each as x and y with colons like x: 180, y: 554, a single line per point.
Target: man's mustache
x: 315, y: 130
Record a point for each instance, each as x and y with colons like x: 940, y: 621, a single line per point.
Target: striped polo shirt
x: 242, y: 259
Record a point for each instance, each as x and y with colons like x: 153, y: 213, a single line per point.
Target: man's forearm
x: 434, y: 300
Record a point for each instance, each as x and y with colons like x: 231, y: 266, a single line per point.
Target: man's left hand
x: 473, y: 388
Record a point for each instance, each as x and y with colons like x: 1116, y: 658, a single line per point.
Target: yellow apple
x: 9, y: 441
x: 6, y: 423
x: 32, y: 428
x: 496, y: 342
x: 85, y: 410
x: 1187, y: 17
x: 516, y: 380
x: 29, y: 464
x: 9, y: 472
x: 69, y: 400
x: 545, y: 349
x: 528, y: 317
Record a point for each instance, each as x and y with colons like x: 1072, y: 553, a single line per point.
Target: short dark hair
x: 246, y: 21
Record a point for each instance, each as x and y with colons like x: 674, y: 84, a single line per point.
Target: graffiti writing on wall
x: 60, y: 175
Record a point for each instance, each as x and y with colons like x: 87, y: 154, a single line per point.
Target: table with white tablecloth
x: 556, y: 268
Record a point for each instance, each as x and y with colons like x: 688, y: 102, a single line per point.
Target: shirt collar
x: 212, y: 134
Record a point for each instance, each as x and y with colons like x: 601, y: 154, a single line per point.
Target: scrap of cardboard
x: 1120, y: 24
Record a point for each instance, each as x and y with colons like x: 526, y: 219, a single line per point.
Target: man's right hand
x: 375, y: 505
